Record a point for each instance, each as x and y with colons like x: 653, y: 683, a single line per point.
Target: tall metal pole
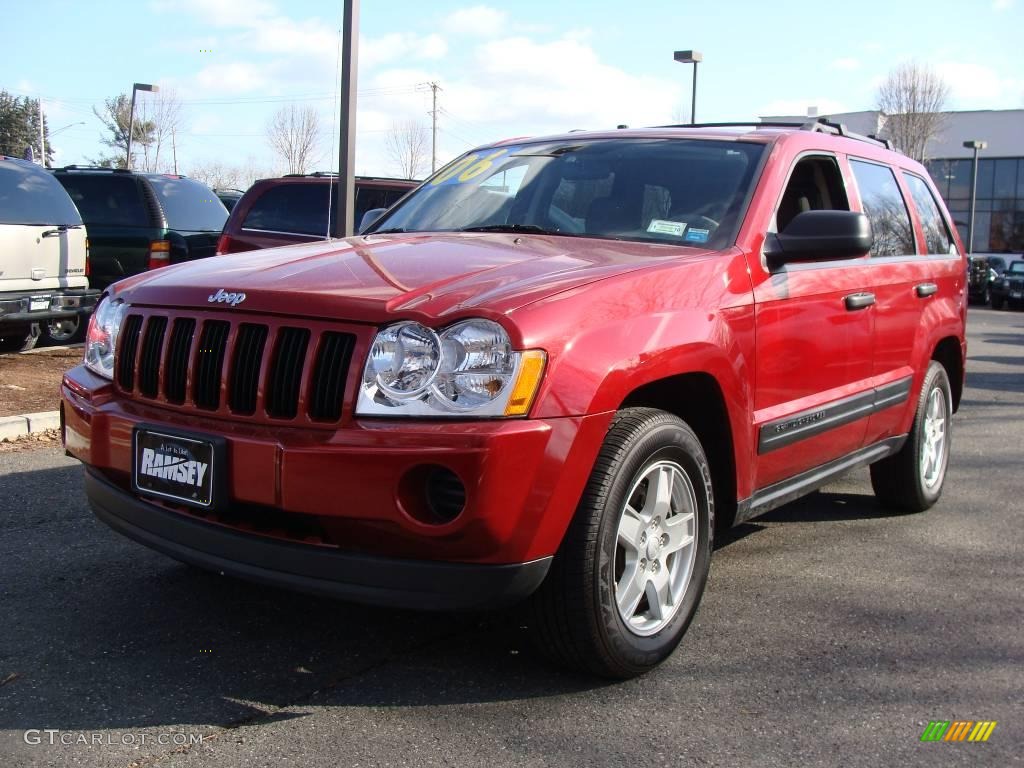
x: 131, y: 129
x: 42, y: 141
x: 347, y: 122
x: 974, y: 195
x: 693, y: 97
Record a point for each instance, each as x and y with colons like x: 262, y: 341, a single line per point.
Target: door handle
x: 859, y: 300
x: 53, y: 233
x: 924, y: 290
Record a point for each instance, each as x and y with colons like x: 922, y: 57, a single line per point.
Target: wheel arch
x: 949, y: 353
x: 697, y: 399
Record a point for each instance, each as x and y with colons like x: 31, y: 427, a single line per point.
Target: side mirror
x: 815, y: 235
x: 370, y: 217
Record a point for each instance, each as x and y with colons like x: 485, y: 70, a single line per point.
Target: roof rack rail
x: 93, y: 168
x: 817, y: 124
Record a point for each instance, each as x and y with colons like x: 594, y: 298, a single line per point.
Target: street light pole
x: 131, y: 118
x: 976, y: 146
x: 347, y: 119
x: 691, y: 57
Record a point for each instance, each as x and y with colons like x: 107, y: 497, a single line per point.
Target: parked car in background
x: 294, y: 209
x: 43, y: 259
x: 1008, y: 289
x: 985, y: 269
x: 229, y: 197
x: 140, y: 221
x: 549, y: 373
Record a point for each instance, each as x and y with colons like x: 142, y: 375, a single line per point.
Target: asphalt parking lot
x: 832, y: 632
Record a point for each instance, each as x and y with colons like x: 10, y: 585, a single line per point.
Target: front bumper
x: 53, y: 304
x: 319, y: 570
x: 336, y: 499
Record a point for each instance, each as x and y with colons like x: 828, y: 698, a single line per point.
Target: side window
x: 936, y: 233
x: 816, y: 184
x: 293, y: 208
x: 884, y: 206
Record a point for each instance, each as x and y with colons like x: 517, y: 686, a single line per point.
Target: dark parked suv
x: 293, y: 209
x: 140, y: 221
x: 1008, y: 288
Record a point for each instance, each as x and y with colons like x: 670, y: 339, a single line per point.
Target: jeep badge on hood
x: 223, y: 297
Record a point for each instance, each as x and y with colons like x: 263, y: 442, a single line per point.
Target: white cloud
x: 478, y: 21
x: 847, y: 64
x: 975, y: 86
x: 231, y: 78
x: 375, y: 51
x: 1002, y: 5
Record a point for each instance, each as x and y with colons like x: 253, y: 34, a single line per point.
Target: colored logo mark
x: 958, y: 730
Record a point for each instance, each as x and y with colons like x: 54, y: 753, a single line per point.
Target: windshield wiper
x: 392, y: 231
x: 531, y: 228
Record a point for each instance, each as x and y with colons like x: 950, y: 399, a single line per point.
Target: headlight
x: 101, y: 338
x: 468, y: 369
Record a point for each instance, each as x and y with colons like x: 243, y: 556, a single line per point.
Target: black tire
x: 997, y: 302
x: 574, y: 617
x: 900, y: 481
x: 69, y: 330
x: 18, y: 338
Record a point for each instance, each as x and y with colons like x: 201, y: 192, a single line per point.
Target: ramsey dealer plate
x: 174, y: 466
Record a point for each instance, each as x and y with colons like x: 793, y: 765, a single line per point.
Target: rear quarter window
x: 936, y: 233
x: 107, y: 200
x: 188, y: 205
x: 30, y: 195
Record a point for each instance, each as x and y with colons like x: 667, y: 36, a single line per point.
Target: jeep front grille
x: 276, y: 369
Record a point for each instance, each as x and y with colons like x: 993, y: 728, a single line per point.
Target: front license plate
x: 1015, y: 294
x: 174, y: 467
x: 38, y: 303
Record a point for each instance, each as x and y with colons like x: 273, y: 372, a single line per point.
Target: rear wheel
x: 63, y: 330
x: 631, y: 570
x: 912, y: 479
x: 18, y: 338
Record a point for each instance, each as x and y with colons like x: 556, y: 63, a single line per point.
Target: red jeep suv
x: 550, y: 373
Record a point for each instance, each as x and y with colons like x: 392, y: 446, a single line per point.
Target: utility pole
x: 174, y: 152
x: 42, y: 143
x: 434, y: 87
x: 347, y: 121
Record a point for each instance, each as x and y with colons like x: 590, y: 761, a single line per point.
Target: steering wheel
x: 563, y: 220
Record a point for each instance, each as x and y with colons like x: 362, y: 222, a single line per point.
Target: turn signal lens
x: 531, y: 371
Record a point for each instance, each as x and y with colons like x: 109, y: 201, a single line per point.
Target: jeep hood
x: 375, y: 278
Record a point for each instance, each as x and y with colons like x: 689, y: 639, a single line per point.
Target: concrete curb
x: 13, y: 427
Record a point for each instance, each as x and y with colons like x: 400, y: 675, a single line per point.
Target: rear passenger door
x: 906, y: 284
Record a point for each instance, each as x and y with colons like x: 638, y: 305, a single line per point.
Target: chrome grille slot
x: 245, y: 367
x: 149, y: 358
x: 209, y: 362
x: 328, y: 384
x: 286, y: 372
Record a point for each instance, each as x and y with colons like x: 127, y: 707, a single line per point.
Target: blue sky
x: 510, y: 69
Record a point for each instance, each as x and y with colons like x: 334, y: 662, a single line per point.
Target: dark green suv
x: 139, y: 221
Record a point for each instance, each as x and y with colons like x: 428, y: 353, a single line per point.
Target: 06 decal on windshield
x: 469, y: 167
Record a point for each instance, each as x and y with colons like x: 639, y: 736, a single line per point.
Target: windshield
x: 681, y: 191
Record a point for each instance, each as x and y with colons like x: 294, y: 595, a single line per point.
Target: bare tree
x: 913, y: 98
x: 163, y: 112
x: 294, y: 134
x: 408, y: 147
x: 216, y: 175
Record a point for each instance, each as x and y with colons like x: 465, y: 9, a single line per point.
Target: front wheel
x: 631, y: 570
x: 912, y: 479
